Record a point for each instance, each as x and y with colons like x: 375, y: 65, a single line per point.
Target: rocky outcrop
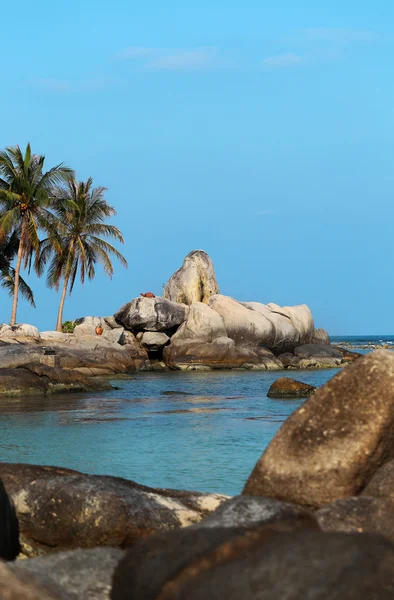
x: 59, y: 509
x: 285, y: 387
x: 88, y: 355
x: 320, y: 336
x: 37, y: 379
x: 151, y: 314
x: 316, y: 356
x: 23, y: 585
x: 195, y: 281
x: 332, y: 445
x: 201, y: 342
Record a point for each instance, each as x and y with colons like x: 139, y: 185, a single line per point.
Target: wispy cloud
x: 288, y: 59
x: 70, y: 85
x: 174, y: 59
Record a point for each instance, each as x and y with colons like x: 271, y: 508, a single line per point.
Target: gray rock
x: 59, y: 509
x: 112, y: 323
x: 153, y: 340
x: 360, y: 514
x: 248, y: 511
x: 151, y: 314
x: 332, y: 445
x: 55, y: 335
x: 86, y: 326
x: 23, y: 585
x: 195, y: 281
x: 317, y: 350
x: 381, y: 485
x: 82, y: 574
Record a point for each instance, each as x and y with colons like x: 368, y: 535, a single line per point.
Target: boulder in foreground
x: 285, y: 387
x: 332, y: 445
x: 266, y: 563
x: 59, y: 509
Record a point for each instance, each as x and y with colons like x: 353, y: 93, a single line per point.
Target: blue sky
x: 260, y: 131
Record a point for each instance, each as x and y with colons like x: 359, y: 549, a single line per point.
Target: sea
x: 200, y: 431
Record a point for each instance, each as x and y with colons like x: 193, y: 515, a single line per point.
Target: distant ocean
x: 361, y: 341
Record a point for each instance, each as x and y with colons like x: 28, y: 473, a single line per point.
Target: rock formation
x: 195, y: 281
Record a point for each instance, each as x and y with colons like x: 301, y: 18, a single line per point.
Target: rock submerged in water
x: 285, y: 387
x: 331, y: 446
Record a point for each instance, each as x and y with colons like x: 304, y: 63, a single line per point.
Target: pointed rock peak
x: 195, y: 281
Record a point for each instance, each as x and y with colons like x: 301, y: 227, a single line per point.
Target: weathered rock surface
x: 153, y: 340
x: 358, y: 515
x: 249, y: 511
x: 151, y: 314
x: 59, y: 509
x: 320, y: 336
x: 22, y: 330
x: 23, y: 585
x: 285, y: 387
x: 165, y: 565
x: 252, y: 323
x: 58, y: 336
x: 9, y: 528
x: 89, y: 355
x: 348, y: 356
x: 82, y: 574
x: 381, y: 485
x: 195, y: 281
x: 332, y: 445
x: 37, y: 379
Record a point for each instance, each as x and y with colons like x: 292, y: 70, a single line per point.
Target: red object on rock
x: 99, y: 330
x: 148, y: 295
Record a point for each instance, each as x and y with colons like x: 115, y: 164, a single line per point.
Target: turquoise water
x: 206, y: 436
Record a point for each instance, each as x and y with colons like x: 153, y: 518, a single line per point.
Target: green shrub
x: 68, y: 326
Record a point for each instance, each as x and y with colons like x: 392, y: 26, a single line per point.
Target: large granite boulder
x: 22, y: 330
x: 320, y: 336
x: 195, y: 281
x: 267, y: 562
x: 60, y: 509
x: 81, y: 574
x: 331, y: 446
x: 253, y: 323
x: 285, y: 387
x: 151, y: 314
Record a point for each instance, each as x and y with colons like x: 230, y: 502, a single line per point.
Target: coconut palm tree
x: 8, y: 251
x: 76, y: 242
x: 25, y: 197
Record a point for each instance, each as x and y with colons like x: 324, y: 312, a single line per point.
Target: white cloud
x: 174, y: 59
x: 288, y: 59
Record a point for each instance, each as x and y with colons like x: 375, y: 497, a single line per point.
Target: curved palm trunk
x: 17, y: 272
x: 61, y: 305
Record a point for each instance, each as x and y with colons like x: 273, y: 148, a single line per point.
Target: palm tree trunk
x: 17, y: 272
x: 61, y: 305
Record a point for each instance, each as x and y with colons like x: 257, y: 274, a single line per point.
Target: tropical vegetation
x: 50, y: 220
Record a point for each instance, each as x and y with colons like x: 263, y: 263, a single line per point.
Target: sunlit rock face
x: 195, y: 281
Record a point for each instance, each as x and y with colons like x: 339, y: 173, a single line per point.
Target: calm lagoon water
x: 206, y: 435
